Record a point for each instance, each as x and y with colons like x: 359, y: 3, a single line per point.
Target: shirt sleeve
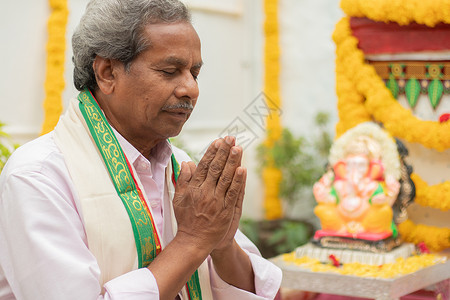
x: 267, y: 276
x: 135, y: 285
x: 43, y: 246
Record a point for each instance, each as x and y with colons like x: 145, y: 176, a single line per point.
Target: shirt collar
x: 159, y: 154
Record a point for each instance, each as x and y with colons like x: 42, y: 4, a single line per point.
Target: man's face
x: 151, y: 99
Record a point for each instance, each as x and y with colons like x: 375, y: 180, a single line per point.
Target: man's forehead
x: 171, y: 38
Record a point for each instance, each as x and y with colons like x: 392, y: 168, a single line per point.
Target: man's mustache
x: 181, y: 105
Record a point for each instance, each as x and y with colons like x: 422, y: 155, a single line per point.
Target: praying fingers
x: 208, y: 198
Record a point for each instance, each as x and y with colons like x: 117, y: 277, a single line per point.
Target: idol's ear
x: 339, y: 169
x: 105, y: 73
x: 376, y: 170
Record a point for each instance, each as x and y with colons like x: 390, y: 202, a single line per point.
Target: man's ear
x: 105, y: 73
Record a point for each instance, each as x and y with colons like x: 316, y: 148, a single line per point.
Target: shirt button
x: 153, y: 204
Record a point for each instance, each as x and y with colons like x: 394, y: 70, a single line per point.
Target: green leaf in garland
x: 435, y: 90
x: 392, y: 85
x: 412, y: 91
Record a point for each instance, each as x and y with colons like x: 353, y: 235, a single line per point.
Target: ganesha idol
x: 355, y: 196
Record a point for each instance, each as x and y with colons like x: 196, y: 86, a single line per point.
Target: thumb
x: 185, y: 175
x: 182, y: 182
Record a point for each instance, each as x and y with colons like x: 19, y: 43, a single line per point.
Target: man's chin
x: 173, y: 133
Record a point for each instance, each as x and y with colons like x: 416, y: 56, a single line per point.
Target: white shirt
x: 43, y: 244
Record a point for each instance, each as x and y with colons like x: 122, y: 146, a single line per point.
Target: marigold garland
x: 363, y: 96
x: 54, y: 79
x: 272, y: 176
x: 400, y: 11
x: 436, y: 238
x: 401, y: 266
x: 435, y: 196
x: 351, y: 110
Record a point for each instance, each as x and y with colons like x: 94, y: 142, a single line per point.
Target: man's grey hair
x: 114, y: 29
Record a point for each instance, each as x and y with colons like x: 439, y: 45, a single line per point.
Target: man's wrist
x: 234, y: 267
x: 193, y: 243
x: 227, y: 251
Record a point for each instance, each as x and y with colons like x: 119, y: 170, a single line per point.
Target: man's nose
x: 187, y: 86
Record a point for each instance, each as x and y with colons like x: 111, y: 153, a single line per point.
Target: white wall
x: 232, y: 44
x: 308, y: 82
x: 23, y: 34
